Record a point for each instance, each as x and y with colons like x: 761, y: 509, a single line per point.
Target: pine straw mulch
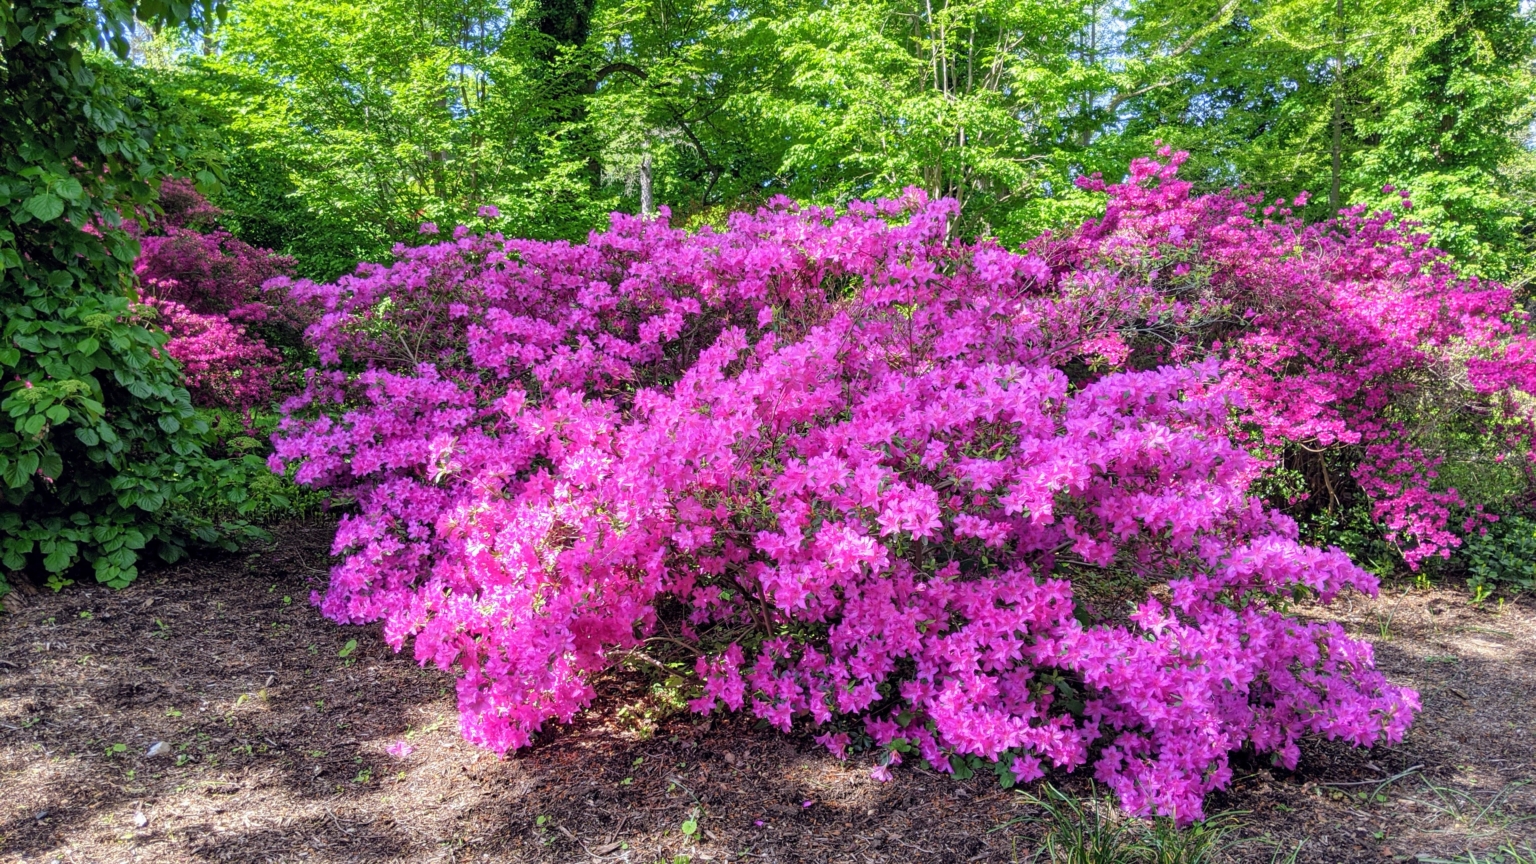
x: 276, y: 749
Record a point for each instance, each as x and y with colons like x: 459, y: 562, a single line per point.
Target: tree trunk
x: 1338, y: 106
x: 647, y: 203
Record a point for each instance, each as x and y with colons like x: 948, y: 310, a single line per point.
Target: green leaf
x: 52, y: 465
x: 347, y: 649
x: 16, y: 474
x: 59, y: 558
x: 69, y: 188
x: 45, y: 207
x: 170, y: 424
x: 88, y: 345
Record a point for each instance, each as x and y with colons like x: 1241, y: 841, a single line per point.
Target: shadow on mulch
x: 277, y: 740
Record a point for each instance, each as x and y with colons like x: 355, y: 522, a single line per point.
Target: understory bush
x: 232, y: 337
x: 101, y: 439
x: 856, y: 469
x: 1503, y: 556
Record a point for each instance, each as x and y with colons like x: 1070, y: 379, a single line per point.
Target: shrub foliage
x: 206, y: 285
x: 101, y: 436
x: 864, y: 473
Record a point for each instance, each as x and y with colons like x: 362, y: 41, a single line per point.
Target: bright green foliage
x: 1450, y: 131
x: 1434, y: 98
x: 373, y: 116
x: 966, y: 99
x: 383, y: 114
x: 353, y: 122
x: 97, y: 437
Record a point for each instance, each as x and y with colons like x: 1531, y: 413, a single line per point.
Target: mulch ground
x: 271, y: 742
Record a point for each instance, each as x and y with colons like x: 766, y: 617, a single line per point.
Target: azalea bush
x: 866, y: 475
x: 206, y: 286
x: 239, y: 347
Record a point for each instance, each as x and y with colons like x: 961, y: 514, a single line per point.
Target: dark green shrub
x: 1504, y: 557
x: 98, y: 439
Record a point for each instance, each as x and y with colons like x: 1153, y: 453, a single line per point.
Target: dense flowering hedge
x: 864, y: 471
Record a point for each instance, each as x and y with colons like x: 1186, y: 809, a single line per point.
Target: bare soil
x: 276, y: 738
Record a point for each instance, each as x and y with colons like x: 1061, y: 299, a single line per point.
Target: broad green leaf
x: 69, y: 189
x: 45, y: 207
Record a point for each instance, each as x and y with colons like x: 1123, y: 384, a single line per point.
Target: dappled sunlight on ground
x: 282, y: 743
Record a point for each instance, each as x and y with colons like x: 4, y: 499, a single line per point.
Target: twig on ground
x: 1398, y: 776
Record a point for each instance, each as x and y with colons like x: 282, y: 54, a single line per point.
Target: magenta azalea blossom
x: 861, y: 467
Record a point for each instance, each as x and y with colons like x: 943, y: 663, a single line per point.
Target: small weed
x: 1466, y: 808
x: 436, y: 724
x: 116, y: 750
x: 86, y: 614
x: 1200, y: 843
x: 1288, y: 858
x: 1094, y: 831
x: 1091, y: 833
x: 1384, y: 623
x: 1507, y: 854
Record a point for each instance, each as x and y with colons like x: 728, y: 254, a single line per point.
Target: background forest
x: 339, y: 127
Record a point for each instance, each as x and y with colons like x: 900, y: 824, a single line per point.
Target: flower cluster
x: 868, y: 474
x: 1325, y: 331
x: 208, y: 288
x: 223, y: 365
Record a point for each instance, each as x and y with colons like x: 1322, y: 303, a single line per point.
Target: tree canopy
x: 370, y: 117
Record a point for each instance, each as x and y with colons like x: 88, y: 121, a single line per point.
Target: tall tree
x: 1453, y: 129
